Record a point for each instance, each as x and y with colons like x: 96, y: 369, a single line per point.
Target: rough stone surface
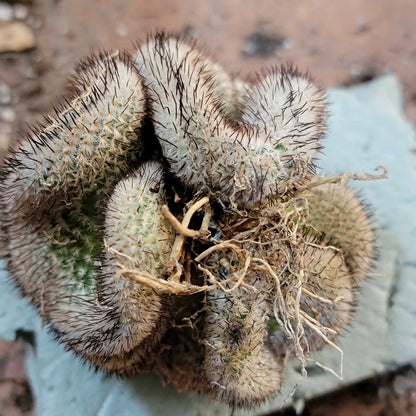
x: 367, y: 128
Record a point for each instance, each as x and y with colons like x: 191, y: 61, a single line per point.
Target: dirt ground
x: 392, y: 394
x: 340, y: 43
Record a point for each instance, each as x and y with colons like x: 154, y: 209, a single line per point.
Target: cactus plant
x: 167, y: 217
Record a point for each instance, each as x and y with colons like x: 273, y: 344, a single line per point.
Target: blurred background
x: 339, y: 43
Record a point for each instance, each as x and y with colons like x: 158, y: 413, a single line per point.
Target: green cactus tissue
x: 168, y: 218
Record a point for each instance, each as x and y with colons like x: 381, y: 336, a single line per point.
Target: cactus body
x: 87, y: 145
x: 325, y: 275
x: 134, y: 271
x: 240, y: 365
x: 53, y: 199
x: 241, y: 164
x: 341, y: 218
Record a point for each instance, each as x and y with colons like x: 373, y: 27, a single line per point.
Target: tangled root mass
x: 168, y: 217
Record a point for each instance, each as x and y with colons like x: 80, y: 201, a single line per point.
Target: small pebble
x: 35, y: 22
x: 362, y: 24
x: 402, y: 384
x: 27, y: 71
x: 5, y: 97
x: 6, y: 12
x: 7, y: 114
x: 263, y: 44
x: 16, y: 37
x: 20, y: 12
x: 122, y: 30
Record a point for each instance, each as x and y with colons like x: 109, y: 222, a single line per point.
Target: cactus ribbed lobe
x: 240, y: 364
x: 80, y: 149
x: 241, y: 163
x: 342, y: 219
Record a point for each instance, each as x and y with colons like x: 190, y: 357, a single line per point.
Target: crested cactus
x: 167, y: 217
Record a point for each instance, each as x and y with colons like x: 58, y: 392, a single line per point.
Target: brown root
x: 272, y: 243
x: 175, y: 268
x: 345, y: 177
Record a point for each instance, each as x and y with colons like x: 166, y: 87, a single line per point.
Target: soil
x: 391, y: 394
x: 339, y: 43
x: 15, y: 395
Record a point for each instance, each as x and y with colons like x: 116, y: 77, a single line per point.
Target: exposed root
x: 218, y: 247
x: 345, y: 177
x: 179, y: 227
x: 175, y: 268
x: 159, y: 285
x: 320, y: 298
x: 287, y: 305
x: 270, y: 243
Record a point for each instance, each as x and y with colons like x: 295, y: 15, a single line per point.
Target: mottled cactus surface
x: 167, y: 217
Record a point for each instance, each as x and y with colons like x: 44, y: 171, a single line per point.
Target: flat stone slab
x: 366, y: 128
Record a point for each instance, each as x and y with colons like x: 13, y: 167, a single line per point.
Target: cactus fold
x: 268, y: 153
